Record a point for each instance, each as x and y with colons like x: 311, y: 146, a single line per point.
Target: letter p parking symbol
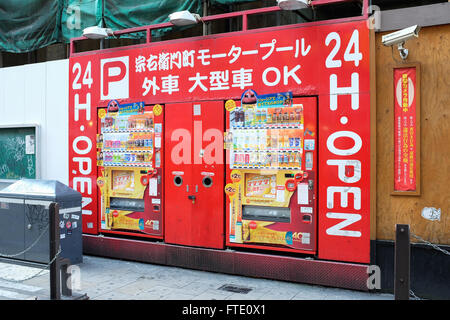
x: 114, y: 82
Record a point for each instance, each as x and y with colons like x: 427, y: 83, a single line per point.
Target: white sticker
x: 306, y: 210
x: 280, y: 195
x: 155, y: 225
x: 431, y: 214
x: 29, y: 144
x: 208, y: 174
x: 76, y: 217
x: 90, y: 225
x: 309, y: 144
x: 62, y: 236
x: 74, y: 225
x: 158, y: 127
x: 306, y: 238
x: 69, y: 210
x: 157, y: 142
x: 153, y: 187
x: 197, y: 110
x: 156, y: 201
x: 302, y: 193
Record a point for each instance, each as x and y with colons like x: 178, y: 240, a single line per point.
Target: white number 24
x: 87, y: 78
x: 349, y: 55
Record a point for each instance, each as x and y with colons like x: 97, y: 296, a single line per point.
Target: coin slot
x: 178, y: 181
x: 207, y: 181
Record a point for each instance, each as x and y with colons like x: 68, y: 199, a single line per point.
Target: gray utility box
x: 24, y: 217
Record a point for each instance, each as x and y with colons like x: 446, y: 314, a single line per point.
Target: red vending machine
x: 130, y: 180
x: 272, y: 172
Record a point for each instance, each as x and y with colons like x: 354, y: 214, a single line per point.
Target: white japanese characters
x: 216, y: 80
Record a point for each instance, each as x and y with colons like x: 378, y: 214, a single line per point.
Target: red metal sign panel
x: 405, y: 129
x: 330, y: 61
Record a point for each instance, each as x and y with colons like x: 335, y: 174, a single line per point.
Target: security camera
x: 399, y: 38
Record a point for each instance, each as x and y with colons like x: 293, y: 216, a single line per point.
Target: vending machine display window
x: 122, y: 181
x: 271, y: 172
x: 129, y: 165
x: 260, y: 186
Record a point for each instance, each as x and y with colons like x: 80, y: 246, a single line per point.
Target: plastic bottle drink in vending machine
x: 286, y: 115
x: 247, y: 140
x: 247, y: 118
x: 264, y: 116
x: 254, y: 120
x: 280, y: 159
x: 257, y: 136
x: 274, y: 136
x: 251, y: 139
x: 268, y: 116
x: 262, y: 139
x: 257, y: 116
x: 275, y: 116
x: 268, y: 139
x: 281, y: 139
x: 238, y: 116
x: 239, y: 140
x: 292, y: 116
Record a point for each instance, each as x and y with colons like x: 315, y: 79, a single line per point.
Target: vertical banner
x: 405, y: 129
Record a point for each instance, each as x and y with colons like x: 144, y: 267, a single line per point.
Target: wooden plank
x: 431, y: 50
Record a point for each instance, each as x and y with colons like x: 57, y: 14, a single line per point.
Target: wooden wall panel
x: 432, y: 51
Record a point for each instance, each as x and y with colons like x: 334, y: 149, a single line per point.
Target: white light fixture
x: 96, y: 32
x: 184, y: 18
x: 293, y: 4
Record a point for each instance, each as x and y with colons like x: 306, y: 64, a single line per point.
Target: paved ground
x: 110, y: 279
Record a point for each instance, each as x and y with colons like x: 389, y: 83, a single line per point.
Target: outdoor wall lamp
x: 293, y: 4
x: 184, y: 18
x: 96, y: 32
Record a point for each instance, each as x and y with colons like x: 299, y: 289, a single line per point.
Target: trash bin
x: 24, y: 220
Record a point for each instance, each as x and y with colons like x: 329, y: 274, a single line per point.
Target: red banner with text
x: 405, y: 129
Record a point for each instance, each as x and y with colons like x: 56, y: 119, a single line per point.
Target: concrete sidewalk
x: 110, y: 279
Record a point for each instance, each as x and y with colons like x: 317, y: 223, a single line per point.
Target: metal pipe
x: 244, y: 15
